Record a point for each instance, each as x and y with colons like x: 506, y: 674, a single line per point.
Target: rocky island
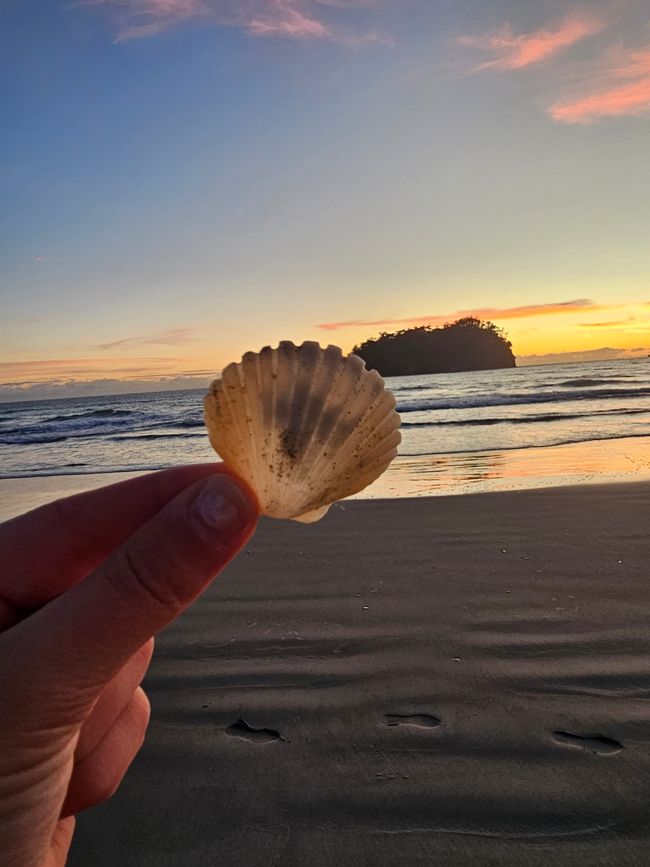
x: 467, y: 344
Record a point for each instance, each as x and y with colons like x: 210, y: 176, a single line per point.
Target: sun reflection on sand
x: 461, y: 473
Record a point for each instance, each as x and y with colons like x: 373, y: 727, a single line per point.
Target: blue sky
x: 183, y: 180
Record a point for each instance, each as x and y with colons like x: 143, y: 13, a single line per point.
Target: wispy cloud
x: 283, y: 19
x: 509, y: 50
x: 618, y: 87
x: 521, y: 312
x: 292, y: 19
x: 612, y: 323
x: 171, y: 337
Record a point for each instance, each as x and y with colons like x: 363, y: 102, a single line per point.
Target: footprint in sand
x: 419, y: 720
x: 242, y: 730
x: 598, y: 744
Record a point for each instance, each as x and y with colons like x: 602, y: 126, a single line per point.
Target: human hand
x: 85, y: 583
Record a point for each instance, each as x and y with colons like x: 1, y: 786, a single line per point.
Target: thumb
x: 75, y: 644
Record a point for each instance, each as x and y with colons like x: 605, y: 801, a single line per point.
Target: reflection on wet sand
x: 461, y: 473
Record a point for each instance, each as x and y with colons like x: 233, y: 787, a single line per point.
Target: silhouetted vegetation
x: 467, y: 344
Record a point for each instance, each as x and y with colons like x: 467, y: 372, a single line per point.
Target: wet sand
x: 597, y: 462
x: 449, y: 681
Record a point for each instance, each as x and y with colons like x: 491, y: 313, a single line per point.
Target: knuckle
x: 131, y: 574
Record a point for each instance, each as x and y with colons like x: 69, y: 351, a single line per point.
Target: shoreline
x: 570, y: 465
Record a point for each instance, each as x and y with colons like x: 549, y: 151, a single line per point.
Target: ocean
x: 467, y: 415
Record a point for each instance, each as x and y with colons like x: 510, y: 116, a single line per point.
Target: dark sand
x: 448, y: 681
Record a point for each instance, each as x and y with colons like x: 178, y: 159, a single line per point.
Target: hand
x: 84, y: 584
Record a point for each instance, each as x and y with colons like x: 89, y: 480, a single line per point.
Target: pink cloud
x: 293, y: 19
x: 283, y: 19
x: 524, y: 311
x: 511, y: 51
x: 622, y: 88
x: 171, y: 337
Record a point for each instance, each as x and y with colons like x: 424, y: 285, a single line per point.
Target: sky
x: 185, y: 180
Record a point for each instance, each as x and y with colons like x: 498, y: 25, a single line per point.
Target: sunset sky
x: 184, y: 180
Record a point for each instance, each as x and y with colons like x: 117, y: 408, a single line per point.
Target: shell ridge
x: 331, y: 370
x: 267, y: 373
x: 390, y: 423
x: 250, y: 410
x: 275, y: 365
x: 315, y: 378
x: 367, y: 475
x: 376, y: 452
x: 374, y: 403
x: 209, y: 416
x: 330, y: 358
x: 338, y: 394
x: 260, y: 416
x: 364, y: 475
x: 306, y: 468
x: 287, y: 475
x: 223, y: 393
x: 340, y: 399
x: 303, y: 418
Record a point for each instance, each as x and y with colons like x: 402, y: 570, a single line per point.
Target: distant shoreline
x: 201, y: 385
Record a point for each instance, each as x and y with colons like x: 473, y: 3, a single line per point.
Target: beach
x: 443, y: 680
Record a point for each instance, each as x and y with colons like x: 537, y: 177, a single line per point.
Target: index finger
x: 47, y: 551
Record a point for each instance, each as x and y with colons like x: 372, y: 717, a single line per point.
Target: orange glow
x: 534, y: 329
x: 461, y: 473
x: 48, y: 369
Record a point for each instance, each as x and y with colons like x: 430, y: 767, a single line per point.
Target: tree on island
x: 467, y: 344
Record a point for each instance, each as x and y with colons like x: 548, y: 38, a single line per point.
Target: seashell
x: 303, y: 426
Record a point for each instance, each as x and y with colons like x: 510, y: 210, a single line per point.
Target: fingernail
x: 224, y: 506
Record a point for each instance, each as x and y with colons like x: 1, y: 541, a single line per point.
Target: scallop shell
x: 303, y: 426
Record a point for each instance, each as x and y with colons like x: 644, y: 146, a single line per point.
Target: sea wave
x: 156, y: 436
x: 74, y: 426
x: 107, y: 412
x: 45, y: 472
x: 564, y: 441
x: 519, y: 399
x: 428, y: 387
x: 189, y: 422
x: 31, y: 439
x: 588, y: 383
x: 527, y: 419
